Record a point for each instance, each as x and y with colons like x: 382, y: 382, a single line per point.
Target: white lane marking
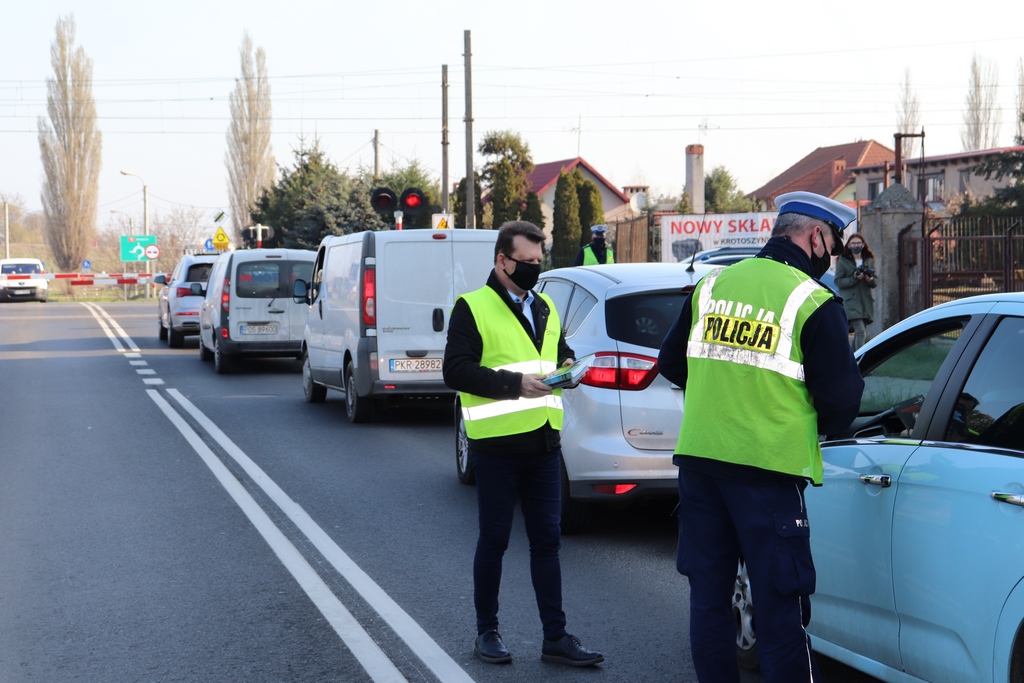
x: 432, y: 654
x: 358, y: 641
x: 133, y: 355
x: 135, y: 362
x: 106, y: 330
x: 93, y: 308
x: 145, y: 371
x: 153, y: 381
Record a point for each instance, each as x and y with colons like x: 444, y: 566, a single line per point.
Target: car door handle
x: 1011, y: 498
x: 276, y: 310
x: 883, y: 480
x: 438, y: 320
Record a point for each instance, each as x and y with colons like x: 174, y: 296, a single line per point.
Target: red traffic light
x: 383, y: 200
x: 412, y: 200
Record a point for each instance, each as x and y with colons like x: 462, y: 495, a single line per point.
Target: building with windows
x: 544, y: 177
x: 931, y: 179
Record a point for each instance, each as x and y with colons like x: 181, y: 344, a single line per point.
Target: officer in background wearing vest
x: 502, y: 338
x: 761, y: 351
x: 596, y: 252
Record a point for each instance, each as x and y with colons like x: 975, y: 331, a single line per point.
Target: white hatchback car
x: 622, y: 422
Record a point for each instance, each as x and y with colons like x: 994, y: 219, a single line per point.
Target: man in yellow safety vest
x: 502, y: 339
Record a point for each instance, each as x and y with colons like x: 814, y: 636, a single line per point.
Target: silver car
x: 180, y: 301
x: 622, y: 421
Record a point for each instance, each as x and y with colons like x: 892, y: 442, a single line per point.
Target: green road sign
x: 133, y: 247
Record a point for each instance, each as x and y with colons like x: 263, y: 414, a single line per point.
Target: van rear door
x: 417, y: 282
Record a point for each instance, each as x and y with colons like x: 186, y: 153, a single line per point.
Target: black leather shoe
x: 569, y: 650
x: 490, y: 649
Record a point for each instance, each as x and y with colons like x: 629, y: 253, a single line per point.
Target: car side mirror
x: 197, y: 289
x: 160, y: 279
x: 300, y: 292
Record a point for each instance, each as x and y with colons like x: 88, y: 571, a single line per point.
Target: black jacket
x: 830, y: 373
x: 463, y: 372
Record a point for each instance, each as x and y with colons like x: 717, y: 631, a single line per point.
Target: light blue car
x: 918, y: 530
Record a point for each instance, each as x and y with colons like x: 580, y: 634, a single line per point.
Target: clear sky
x: 627, y: 86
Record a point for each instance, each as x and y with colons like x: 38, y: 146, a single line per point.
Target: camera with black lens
x: 865, y: 271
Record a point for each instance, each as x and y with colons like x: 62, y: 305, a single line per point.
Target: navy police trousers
x: 721, y: 520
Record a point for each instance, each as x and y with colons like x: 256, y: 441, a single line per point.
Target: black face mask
x: 598, y: 241
x: 525, y: 275
x: 820, y: 264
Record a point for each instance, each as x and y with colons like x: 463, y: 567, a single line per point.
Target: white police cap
x: 598, y: 229
x: 815, y: 205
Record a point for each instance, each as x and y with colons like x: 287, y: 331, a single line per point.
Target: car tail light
x: 369, y: 297
x: 225, y: 295
x: 623, y: 371
x: 182, y: 291
x: 614, y: 489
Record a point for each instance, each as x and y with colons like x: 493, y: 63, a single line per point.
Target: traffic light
x: 383, y: 200
x: 412, y: 201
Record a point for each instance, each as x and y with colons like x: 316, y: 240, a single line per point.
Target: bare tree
x: 981, y: 118
x: 71, y: 146
x: 908, y: 118
x: 249, y: 159
x: 183, y: 228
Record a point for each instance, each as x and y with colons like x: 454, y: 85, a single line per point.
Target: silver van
x: 378, y: 312
x: 248, y: 309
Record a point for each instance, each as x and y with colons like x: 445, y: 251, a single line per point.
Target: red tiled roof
x: 825, y: 171
x: 545, y: 175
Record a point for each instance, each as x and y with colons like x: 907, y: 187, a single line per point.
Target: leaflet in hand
x: 570, y: 376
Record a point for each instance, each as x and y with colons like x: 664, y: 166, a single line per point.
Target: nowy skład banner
x: 684, y: 235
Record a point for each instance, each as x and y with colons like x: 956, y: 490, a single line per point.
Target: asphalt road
x: 161, y: 522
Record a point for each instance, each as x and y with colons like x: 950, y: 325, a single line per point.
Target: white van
x: 248, y: 309
x: 378, y: 312
x: 22, y: 280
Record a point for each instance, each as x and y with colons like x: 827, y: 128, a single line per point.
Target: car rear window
x: 270, y: 279
x: 199, y: 272
x: 643, y: 318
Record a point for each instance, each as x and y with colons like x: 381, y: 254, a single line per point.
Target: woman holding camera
x: 855, y: 278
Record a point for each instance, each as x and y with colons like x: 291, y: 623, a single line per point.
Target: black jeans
x: 536, y: 479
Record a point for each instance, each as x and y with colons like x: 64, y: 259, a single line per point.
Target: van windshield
x: 19, y: 268
x: 270, y: 279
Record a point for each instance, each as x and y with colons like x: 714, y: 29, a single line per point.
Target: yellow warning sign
x: 220, y: 239
x: 441, y: 221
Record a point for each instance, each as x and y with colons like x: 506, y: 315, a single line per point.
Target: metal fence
x: 958, y: 258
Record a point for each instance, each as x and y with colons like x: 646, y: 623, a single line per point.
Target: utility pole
x: 444, y: 138
x: 470, y: 196
x: 376, y: 155
x: 7, y: 231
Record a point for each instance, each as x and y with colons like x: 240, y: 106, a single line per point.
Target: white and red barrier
x: 86, y: 279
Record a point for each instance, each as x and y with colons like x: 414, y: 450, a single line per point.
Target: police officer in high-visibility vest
x: 597, y: 252
x: 761, y: 351
x: 502, y: 338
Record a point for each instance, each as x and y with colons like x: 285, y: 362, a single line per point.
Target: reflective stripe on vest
x: 781, y: 360
x: 496, y: 408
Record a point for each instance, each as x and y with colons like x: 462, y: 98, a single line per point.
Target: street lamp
x: 145, y: 219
